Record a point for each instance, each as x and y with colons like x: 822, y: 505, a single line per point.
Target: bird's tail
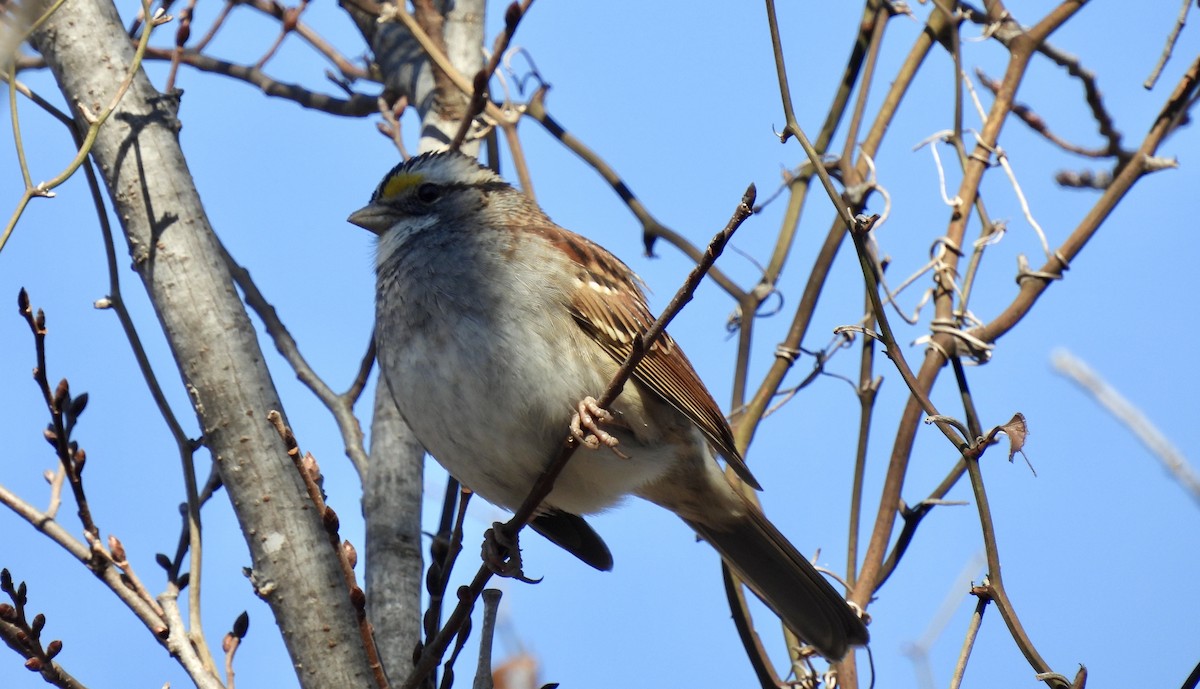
x: 786, y: 582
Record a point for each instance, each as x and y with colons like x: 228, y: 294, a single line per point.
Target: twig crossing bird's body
x: 493, y: 323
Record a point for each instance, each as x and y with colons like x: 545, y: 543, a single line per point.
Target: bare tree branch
x: 1172, y: 458
x: 192, y: 291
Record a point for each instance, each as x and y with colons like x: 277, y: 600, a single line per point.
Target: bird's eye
x: 428, y: 193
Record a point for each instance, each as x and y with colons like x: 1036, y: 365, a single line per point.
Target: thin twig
x: 858, y: 232
x: 24, y: 635
x: 512, y: 17
x: 752, y: 412
x: 756, y: 652
x: 94, y: 120
x: 868, y: 391
x: 1035, y: 122
x: 62, y: 409
x: 357, y: 105
x: 652, y: 229
x: 1022, y: 44
x: 182, y: 34
x: 289, y: 17
x: 175, y: 638
x: 160, y: 627
x: 341, y: 407
x: 185, y: 446
x: 306, y: 466
x: 483, y: 668
x: 995, y: 583
x: 1170, y: 45
x: 960, y: 667
x: 216, y: 25
x: 444, y: 549
x: 1172, y: 458
x: 393, y: 12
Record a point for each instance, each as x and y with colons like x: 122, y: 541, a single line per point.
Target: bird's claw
x: 585, y: 427
x: 502, y: 554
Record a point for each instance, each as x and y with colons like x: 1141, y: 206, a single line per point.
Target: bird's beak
x: 373, y: 217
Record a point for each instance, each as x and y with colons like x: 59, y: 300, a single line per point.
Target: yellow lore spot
x: 398, y: 184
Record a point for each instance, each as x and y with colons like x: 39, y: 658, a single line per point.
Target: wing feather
x: 610, y: 306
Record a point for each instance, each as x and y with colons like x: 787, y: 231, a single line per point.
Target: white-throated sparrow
x: 493, y: 323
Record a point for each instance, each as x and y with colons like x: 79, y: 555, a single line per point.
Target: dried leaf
x: 1017, y: 430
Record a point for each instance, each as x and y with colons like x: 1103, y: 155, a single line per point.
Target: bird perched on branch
x: 494, y: 326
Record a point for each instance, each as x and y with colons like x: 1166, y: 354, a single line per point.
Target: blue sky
x: 683, y: 103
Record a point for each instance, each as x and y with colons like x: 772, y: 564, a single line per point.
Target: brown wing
x: 610, y: 306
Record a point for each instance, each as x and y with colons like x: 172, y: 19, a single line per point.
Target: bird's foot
x: 585, y: 426
x: 502, y: 554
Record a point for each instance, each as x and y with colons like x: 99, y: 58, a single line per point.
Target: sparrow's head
x: 434, y: 186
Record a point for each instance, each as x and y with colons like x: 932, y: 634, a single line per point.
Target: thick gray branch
x: 175, y: 253
x: 392, y: 509
x: 393, y: 491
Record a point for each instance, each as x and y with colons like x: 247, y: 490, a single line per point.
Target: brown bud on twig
x: 310, y: 467
x: 22, y: 301
x: 117, y: 549
x: 5, y: 580
x: 53, y: 648
x: 291, y: 17
x: 50, y: 436
x: 1084, y: 179
x: 162, y: 560
x: 62, y: 395
x: 7, y: 612
x: 184, y: 579
x: 80, y: 460
x: 330, y: 518
x: 349, y: 552
x: 241, y: 625
x: 39, y: 322
x: 418, y: 649
x: 357, y: 598
x: 433, y: 575
x: 185, y: 27
x: 34, y: 664
x: 77, y: 406
x: 39, y: 621
x: 511, y: 16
